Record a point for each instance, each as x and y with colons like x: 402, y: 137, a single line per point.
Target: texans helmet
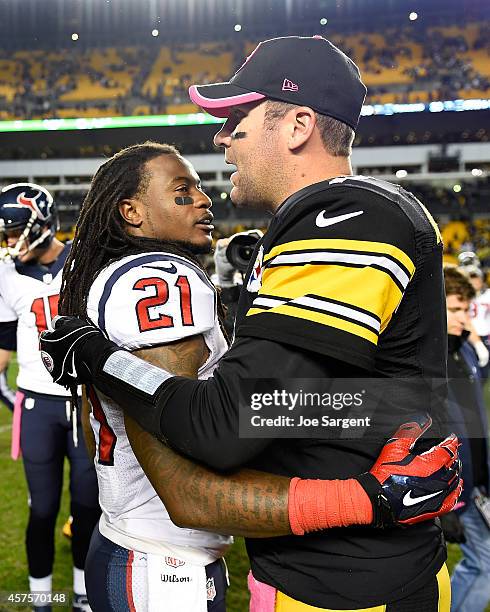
x: 29, y: 210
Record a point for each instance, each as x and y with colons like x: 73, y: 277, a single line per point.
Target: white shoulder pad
x: 152, y: 298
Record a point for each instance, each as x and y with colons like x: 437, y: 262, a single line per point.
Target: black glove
x: 453, y: 528
x: 406, y: 487
x: 73, y: 351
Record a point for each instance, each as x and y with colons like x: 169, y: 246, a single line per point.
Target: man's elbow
x: 187, y: 517
x: 181, y: 519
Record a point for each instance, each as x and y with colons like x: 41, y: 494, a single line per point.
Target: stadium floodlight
x: 323, y: 21
x: 74, y: 36
x: 413, y: 16
x: 238, y: 27
x: 457, y: 188
x: 477, y: 172
x: 401, y: 174
x: 155, y: 33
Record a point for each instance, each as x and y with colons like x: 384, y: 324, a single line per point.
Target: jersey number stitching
x: 45, y: 309
x: 107, y: 437
x: 160, y: 298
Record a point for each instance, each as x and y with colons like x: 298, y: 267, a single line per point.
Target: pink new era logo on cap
x: 288, y: 85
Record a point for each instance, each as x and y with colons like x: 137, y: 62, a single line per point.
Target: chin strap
x: 13, y: 252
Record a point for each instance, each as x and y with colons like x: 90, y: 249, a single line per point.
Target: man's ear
x: 301, y: 126
x: 131, y: 210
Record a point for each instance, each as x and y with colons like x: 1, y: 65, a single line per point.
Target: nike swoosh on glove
x: 407, y: 488
x: 73, y: 349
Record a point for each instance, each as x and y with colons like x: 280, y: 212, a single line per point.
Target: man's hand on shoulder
x: 72, y: 350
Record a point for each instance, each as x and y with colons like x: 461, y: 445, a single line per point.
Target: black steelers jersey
x: 351, y: 268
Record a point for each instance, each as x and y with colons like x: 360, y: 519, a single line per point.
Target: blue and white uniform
x: 143, y: 301
x: 48, y: 434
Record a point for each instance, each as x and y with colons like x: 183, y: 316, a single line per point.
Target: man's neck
x: 340, y: 166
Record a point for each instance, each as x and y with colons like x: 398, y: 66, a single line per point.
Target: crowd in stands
x: 460, y: 236
x: 40, y: 85
x: 438, y: 64
x: 406, y: 64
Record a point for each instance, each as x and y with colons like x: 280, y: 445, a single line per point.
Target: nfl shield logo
x: 47, y: 361
x: 174, y: 562
x: 211, y: 589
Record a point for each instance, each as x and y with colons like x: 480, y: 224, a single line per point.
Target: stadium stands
x: 401, y: 63
x: 405, y: 64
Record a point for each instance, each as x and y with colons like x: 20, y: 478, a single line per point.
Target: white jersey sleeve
x: 7, y: 312
x: 151, y: 299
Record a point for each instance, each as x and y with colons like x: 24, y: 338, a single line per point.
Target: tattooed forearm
x: 184, y: 357
x: 247, y: 503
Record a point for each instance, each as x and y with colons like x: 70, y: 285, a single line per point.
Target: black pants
x: 46, y: 439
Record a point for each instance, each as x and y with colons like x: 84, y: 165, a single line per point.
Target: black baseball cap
x: 307, y: 71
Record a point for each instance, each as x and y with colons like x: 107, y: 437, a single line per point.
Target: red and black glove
x: 405, y: 487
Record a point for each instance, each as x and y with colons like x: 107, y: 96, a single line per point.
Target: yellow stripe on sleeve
x: 366, y: 288
x: 323, y: 319
x: 337, y: 244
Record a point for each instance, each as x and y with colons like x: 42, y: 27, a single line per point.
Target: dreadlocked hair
x: 100, y: 234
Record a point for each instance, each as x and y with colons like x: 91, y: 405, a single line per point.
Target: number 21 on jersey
x: 160, y: 297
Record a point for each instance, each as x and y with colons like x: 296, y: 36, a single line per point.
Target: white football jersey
x: 6, y: 313
x: 142, y: 301
x: 30, y: 294
x: 480, y: 313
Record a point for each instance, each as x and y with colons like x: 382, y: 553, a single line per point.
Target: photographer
x: 231, y: 259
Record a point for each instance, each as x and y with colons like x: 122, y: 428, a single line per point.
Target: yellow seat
x: 181, y: 109
x: 141, y: 109
x: 454, y: 234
